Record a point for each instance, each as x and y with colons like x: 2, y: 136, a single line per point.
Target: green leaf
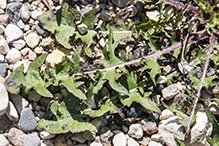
x: 67, y: 123
x: 61, y: 24
x: 88, y: 52
x: 108, y: 106
x: 135, y: 96
x: 88, y: 19
x: 154, y: 67
x: 32, y: 79
x: 215, y: 132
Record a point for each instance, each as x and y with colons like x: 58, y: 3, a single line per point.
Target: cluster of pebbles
x: 22, y: 40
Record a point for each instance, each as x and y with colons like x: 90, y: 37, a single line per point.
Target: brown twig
x: 212, y: 42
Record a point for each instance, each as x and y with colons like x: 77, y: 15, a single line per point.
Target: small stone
x: 170, y: 91
x: 3, y: 69
x: 47, y: 42
x: 125, y: 128
x: 119, y: 139
x: 20, y: 24
x: 132, y: 142
x: 26, y: 64
x: 2, y: 80
x: 154, y: 143
x: 32, y: 140
x: 120, y: 3
x: 12, y: 33
x: 25, y: 51
x: 19, y: 102
x: 24, y: 12
x: 13, y: 10
x: 32, y: 40
x: 4, y: 19
x: 153, y: 15
x: 215, y: 91
x: 213, y: 108
x: 99, y: 122
x: 16, y: 137
x: 3, y: 141
x: 38, y: 50
x: 156, y: 137
x: 104, y: 136
x: 171, y: 129
x: 60, y: 141
x: 46, y: 135
x: 13, y: 56
x: 133, y: 10
x: 58, y: 96
x: 105, y: 15
x: 2, y: 29
x: 3, y: 4
x: 200, y: 130
x: 82, y: 28
x: 102, y: 42
x: 46, y: 142
x: 28, y: 122
x: 150, y: 127
x: 34, y: 96
x: 26, y: 27
x: 168, y: 10
x: 54, y: 58
x: 78, y: 137
x: 135, y: 131
x: 44, y: 101
x: 40, y: 30
x: 19, y: 44
x: 161, y: 80
x: 96, y: 142
x: 4, y: 100
x: 34, y: 14
x: 88, y: 135
x: 94, y: 103
x: 165, y: 114
x: 4, y: 48
x: 2, y: 58
x: 12, y: 112
x: 32, y: 55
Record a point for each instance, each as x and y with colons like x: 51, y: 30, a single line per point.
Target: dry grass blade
x: 212, y: 43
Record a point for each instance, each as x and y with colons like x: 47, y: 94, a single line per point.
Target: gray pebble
x: 32, y: 140
x: 19, y: 102
x: 120, y: 3
x: 24, y: 12
x: 13, y: 10
x: 4, y: 48
x: 19, y: 44
x: 3, y: 69
x: 105, y: 15
x: 28, y: 122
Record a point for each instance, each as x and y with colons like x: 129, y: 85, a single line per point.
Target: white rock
x: 34, y: 14
x: 120, y: 139
x: 46, y: 142
x: 170, y: 91
x: 200, y: 130
x: 46, y: 135
x: 165, y: 114
x: 19, y: 44
x: 3, y: 4
x: 96, y: 142
x: 154, y: 143
x: 19, y: 102
x: 32, y: 55
x: 156, y: 137
x: 102, y: 42
x: 4, y: 100
x: 3, y: 141
x: 161, y: 80
x: 132, y: 142
x: 4, y: 48
x: 26, y: 27
x: 2, y: 29
x: 135, y: 131
x: 153, y: 15
x: 24, y: 12
x: 12, y: 33
x: 20, y: 24
x: 170, y: 129
x: 25, y: 51
x: 26, y: 64
x: 82, y: 28
x: 2, y: 58
x: 13, y: 56
x: 12, y: 112
x: 32, y: 40
x: 55, y: 57
x: 47, y: 42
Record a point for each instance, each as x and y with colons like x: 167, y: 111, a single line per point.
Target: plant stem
x: 212, y: 42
